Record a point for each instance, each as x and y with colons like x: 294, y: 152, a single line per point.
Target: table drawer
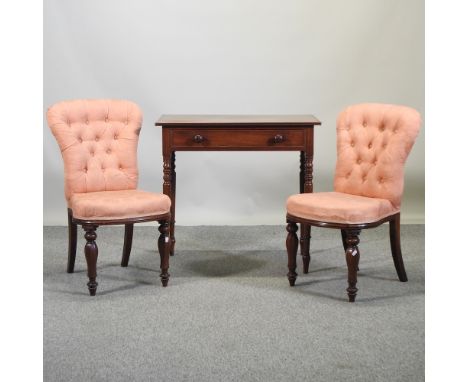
x: 238, y: 138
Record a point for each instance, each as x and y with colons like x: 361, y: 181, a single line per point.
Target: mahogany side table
x: 238, y: 133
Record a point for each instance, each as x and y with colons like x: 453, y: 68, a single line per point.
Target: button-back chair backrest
x: 373, y: 143
x: 98, y: 140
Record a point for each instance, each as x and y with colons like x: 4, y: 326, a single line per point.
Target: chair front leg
x: 343, y: 240
x: 291, y: 245
x: 127, y: 247
x: 352, y: 258
x: 72, y: 239
x: 396, y: 248
x: 91, y: 254
x: 164, y: 247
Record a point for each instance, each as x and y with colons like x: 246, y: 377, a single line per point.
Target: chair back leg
x: 305, y: 247
x: 343, y: 239
x: 72, y: 239
x: 127, y: 247
x: 396, y: 248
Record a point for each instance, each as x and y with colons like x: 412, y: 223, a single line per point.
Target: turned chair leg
x: 72, y: 239
x: 352, y: 258
x: 396, y: 248
x: 164, y: 247
x: 291, y: 244
x: 305, y: 247
x: 91, y: 254
x: 343, y: 240
x: 127, y: 247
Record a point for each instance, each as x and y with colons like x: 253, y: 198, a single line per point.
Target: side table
x: 238, y: 133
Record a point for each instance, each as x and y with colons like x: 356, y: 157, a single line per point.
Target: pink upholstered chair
x: 373, y: 142
x: 98, y: 140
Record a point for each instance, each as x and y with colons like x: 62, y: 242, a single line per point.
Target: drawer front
x: 238, y: 139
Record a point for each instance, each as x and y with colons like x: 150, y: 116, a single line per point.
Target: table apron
x: 238, y: 139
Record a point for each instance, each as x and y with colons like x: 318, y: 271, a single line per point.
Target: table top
x: 185, y: 120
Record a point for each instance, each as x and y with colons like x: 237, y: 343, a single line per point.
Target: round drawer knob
x: 278, y: 138
x: 198, y: 138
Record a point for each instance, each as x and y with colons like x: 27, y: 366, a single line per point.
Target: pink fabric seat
x: 110, y: 205
x: 338, y: 207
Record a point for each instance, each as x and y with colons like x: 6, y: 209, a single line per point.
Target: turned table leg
x: 305, y: 185
x: 169, y: 189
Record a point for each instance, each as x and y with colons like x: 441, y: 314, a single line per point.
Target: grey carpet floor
x: 229, y: 314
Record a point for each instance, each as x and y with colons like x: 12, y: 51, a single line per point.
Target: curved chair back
x: 373, y: 142
x: 98, y: 140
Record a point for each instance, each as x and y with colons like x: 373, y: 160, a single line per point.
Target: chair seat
x: 338, y: 207
x: 124, y: 204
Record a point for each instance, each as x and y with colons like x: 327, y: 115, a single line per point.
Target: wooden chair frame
x: 350, y: 239
x: 91, y: 249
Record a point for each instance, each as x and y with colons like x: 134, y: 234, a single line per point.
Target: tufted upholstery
x: 98, y: 140
x: 373, y: 142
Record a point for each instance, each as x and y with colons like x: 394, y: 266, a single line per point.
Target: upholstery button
x: 108, y: 151
x: 80, y: 140
x: 106, y: 119
x: 359, y: 161
x: 384, y: 145
x: 96, y: 139
x: 364, y: 124
x: 120, y: 168
x: 115, y: 136
x: 375, y: 162
x: 352, y: 143
x: 370, y: 145
x: 380, y: 180
x: 382, y: 128
x: 87, y: 122
x: 92, y: 153
x: 395, y: 131
x: 364, y: 178
x: 85, y: 169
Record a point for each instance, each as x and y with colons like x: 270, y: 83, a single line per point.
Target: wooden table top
x: 181, y: 120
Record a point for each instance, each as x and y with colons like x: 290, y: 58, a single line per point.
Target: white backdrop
x: 236, y: 57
